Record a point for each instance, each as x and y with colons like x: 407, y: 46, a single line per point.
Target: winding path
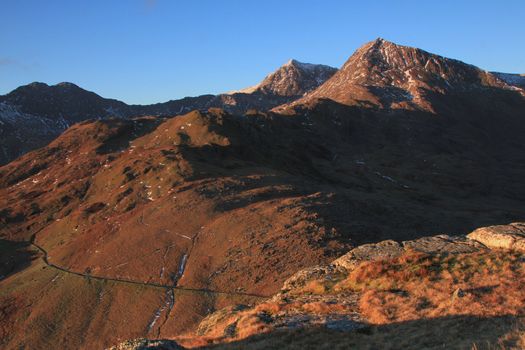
x: 150, y: 284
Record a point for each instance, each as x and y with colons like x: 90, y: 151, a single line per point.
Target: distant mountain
x: 293, y: 79
x: 33, y: 115
x: 382, y: 74
x: 64, y: 101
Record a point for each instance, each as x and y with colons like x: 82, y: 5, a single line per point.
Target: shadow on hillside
x: 379, y: 174
x: 14, y: 257
x: 456, y: 332
x: 126, y: 131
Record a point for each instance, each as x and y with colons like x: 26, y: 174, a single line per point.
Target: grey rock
x: 369, y: 252
x: 300, y: 278
x: 146, y: 344
x: 443, y: 244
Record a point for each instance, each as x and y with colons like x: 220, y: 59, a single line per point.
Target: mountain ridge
x: 34, y: 114
x: 383, y: 74
x: 379, y: 74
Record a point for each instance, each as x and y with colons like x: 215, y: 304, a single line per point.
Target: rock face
x: 510, y: 236
x: 368, y: 252
x: 386, y: 75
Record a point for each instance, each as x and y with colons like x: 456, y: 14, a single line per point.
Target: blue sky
x: 146, y: 51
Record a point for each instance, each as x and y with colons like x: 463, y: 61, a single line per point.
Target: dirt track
x: 155, y: 285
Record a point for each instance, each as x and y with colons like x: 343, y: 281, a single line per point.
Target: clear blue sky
x: 145, y: 51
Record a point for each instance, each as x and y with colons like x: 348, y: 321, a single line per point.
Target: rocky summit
x: 364, y: 207
x: 293, y: 79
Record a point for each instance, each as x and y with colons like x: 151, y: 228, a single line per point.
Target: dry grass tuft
x: 417, y: 286
x: 454, y: 301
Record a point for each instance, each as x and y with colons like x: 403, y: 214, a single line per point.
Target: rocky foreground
x: 433, y: 292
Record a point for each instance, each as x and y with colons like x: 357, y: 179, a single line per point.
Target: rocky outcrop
x: 383, y: 251
x: 304, y: 300
x: 321, y: 296
x: 391, y: 249
x: 368, y: 252
x: 145, y: 344
x: 510, y: 236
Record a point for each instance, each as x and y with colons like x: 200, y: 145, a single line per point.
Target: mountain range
x: 33, y: 115
x: 380, y: 74
x: 146, y: 224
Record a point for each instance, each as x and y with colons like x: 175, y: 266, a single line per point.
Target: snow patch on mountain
x: 512, y: 79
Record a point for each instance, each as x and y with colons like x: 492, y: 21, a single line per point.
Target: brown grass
x: 456, y: 332
x: 412, y: 292
x: 417, y: 286
x: 252, y: 322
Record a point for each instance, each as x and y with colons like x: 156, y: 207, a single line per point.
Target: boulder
x: 300, y: 278
x: 510, y: 236
x: 369, y: 252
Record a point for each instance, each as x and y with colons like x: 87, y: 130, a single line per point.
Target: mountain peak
x: 39, y: 86
x: 291, y: 62
x: 66, y: 84
x: 380, y: 41
x: 376, y: 44
x: 381, y: 50
x: 293, y: 78
x: 35, y: 85
x: 389, y: 75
